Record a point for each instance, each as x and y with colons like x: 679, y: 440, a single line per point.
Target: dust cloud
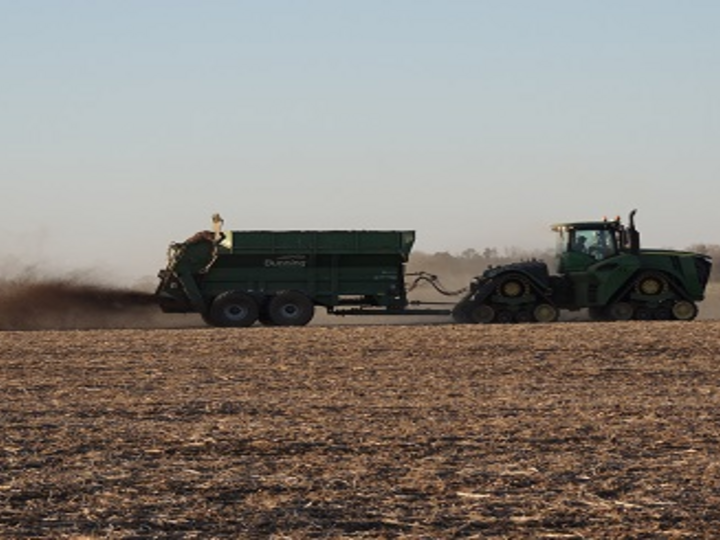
x: 33, y: 303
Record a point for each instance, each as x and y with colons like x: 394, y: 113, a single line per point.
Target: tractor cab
x: 581, y: 245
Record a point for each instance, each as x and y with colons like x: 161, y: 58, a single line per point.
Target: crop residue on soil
x: 36, y: 304
x: 584, y: 430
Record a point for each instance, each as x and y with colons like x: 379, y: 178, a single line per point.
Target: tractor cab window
x: 603, y: 244
x: 581, y: 241
x: 580, y: 248
x: 597, y: 243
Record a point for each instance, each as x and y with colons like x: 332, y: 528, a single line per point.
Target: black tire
x: 291, y: 308
x: 233, y: 309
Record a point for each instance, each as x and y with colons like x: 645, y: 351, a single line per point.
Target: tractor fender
x: 672, y: 281
x: 534, y: 272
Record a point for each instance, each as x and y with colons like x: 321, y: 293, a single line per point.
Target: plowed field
x: 572, y: 430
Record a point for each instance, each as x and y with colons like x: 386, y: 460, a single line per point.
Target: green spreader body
x: 278, y: 277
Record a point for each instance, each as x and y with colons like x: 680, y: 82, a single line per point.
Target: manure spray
x: 54, y: 304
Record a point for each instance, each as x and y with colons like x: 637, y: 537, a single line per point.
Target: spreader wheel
x: 233, y: 308
x: 291, y: 308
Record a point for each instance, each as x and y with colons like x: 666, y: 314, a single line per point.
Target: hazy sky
x: 124, y: 125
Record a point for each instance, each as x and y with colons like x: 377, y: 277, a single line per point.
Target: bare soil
x: 575, y: 430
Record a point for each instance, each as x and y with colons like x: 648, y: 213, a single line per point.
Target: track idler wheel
x: 683, y: 310
x: 545, y: 313
x: 483, y: 314
x: 621, y: 311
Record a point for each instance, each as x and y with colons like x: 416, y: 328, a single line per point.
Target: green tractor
x: 601, y: 267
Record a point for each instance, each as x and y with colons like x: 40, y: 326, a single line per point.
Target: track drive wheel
x: 512, y: 287
x: 651, y: 284
x: 291, y: 308
x: 233, y: 309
